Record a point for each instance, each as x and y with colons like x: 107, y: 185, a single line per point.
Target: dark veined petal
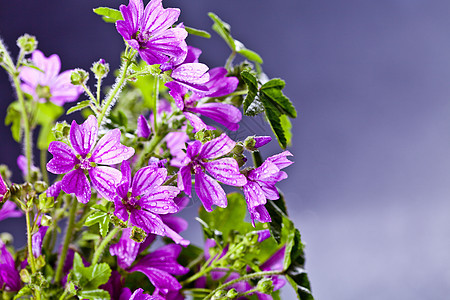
x: 184, y: 180
x: 63, y: 159
x: 268, y: 185
x: 209, y: 191
x: 76, y: 182
x: 223, y: 113
x: 253, y: 195
x: 261, y: 141
x: 126, y: 250
x: 165, y: 259
x: 156, y: 19
x: 131, y: 18
x: 191, y: 73
x: 110, y: 151
x: 120, y: 209
x: 137, y: 295
x: 147, y: 179
x: 105, y: 180
x: 176, y: 237
x: 177, y: 91
x: 226, y: 170
x: 280, y: 160
x: 143, y: 129
x: 219, y: 83
x: 267, y: 170
x: 196, y: 122
x: 83, y: 137
x: 217, y: 147
x: 259, y: 213
x: 160, y: 279
x: 160, y: 200
x: 125, y: 182
x: 3, y: 188
x: 148, y: 221
x: 177, y: 224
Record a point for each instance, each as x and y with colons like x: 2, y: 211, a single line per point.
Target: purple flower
x: 38, y: 238
x: 9, y: 276
x: 8, y: 210
x: 150, y: 31
x: 261, y: 185
x: 160, y: 265
x: 22, y: 164
x: 143, y: 128
x: 139, y: 295
x: 157, y: 266
x: 143, y: 199
x: 200, y: 158
x: 83, y: 158
x: 214, y: 83
x: 176, y: 142
x: 3, y: 189
x: 48, y: 85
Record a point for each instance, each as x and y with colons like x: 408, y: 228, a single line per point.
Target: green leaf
x: 25, y: 291
x: 109, y: 15
x: 45, y: 136
x: 197, y: 32
x: 272, y: 90
x: 301, y: 285
x: 102, y: 219
x: 247, y: 53
x: 96, y: 294
x: 287, y: 129
x: 223, y: 29
x: 89, y: 278
x: 276, y: 224
x: 119, y: 118
x: 274, y: 117
x: 252, y: 105
x: 14, y: 117
x: 219, y: 219
x: 48, y: 112
x: 79, y: 106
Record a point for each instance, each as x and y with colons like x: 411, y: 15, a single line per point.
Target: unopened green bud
x: 265, y: 286
x: 61, y: 130
x: 40, y: 262
x: 25, y: 275
x: 6, y: 238
x: 238, y: 149
x: 79, y: 77
x: 100, y: 68
x: 15, y: 190
x: 45, y: 202
x: 232, y: 294
x: 46, y: 220
x: 40, y: 186
x: 39, y: 280
x: 239, y: 264
x: 43, y: 92
x: 117, y: 222
x: 27, y: 43
x: 220, y: 294
x: 138, y: 234
x: 2, y: 54
x: 250, y: 143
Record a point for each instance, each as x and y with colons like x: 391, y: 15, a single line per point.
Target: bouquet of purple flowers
x: 101, y: 213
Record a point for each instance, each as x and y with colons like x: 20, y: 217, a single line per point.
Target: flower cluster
x: 143, y: 154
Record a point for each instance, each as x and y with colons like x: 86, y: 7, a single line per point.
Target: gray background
x: 371, y: 82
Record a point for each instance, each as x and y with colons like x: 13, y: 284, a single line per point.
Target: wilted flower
x: 82, y: 158
x: 47, y: 84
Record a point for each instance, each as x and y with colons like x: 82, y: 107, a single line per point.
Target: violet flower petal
x: 159, y: 200
x: 223, y: 113
x: 76, y: 182
x: 176, y: 237
x: 165, y: 258
x: 148, y: 221
x: 226, y: 170
x: 110, y: 151
x: 125, y: 183
x: 8, y: 210
x: 253, y: 194
x: 147, y: 179
x: 209, y: 191
x: 120, y: 210
x: 217, y: 147
x: 196, y: 122
x: 261, y: 141
x: 82, y: 137
x: 139, y: 295
x: 54, y: 189
x: 280, y: 160
x: 63, y: 159
x: 126, y: 250
x: 184, y: 180
x: 36, y: 241
x: 105, y: 179
x: 143, y: 129
x: 160, y: 279
x: 191, y: 73
x: 259, y: 213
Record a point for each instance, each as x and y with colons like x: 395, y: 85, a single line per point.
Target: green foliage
x: 109, y: 15
x: 14, y: 117
x: 46, y: 114
x: 88, y: 279
x: 223, y: 29
x: 198, y: 32
x: 270, y: 99
x: 80, y: 105
x: 100, y: 216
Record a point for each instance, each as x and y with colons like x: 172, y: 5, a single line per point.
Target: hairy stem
x: 67, y: 239
x: 155, y: 104
x: 44, y: 166
x: 104, y: 243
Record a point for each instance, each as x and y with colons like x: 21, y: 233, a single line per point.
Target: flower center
x: 43, y: 92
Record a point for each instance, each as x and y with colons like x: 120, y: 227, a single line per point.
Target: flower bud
x: 61, y: 130
x: 117, y: 222
x: 45, y: 202
x: 40, y: 262
x: 27, y: 43
x: 252, y: 143
x: 6, y: 238
x: 265, y: 286
x: 15, y: 190
x: 100, y: 69
x: 25, y: 276
x: 46, y: 220
x: 79, y: 77
x: 220, y: 294
x: 232, y: 294
x: 138, y: 234
x: 40, y: 186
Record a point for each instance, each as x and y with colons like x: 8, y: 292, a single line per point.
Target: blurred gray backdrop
x: 370, y: 188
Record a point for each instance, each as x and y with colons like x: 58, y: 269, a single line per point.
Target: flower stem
x: 104, y: 243
x: 89, y: 93
x: 257, y: 159
x: 243, y: 278
x: 155, y: 104
x: 29, y: 242
x: 67, y: 239
x: 149, y: 148
x: 44, y: 165
x: 230, y: 60
x: 119, y: 83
